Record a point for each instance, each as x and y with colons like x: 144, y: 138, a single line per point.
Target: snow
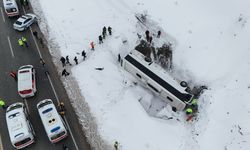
x: 211, y: 47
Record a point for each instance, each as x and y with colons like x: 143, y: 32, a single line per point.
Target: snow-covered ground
x: 211, y: 40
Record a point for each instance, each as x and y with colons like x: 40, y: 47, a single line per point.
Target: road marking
x: 40, y: 55
x: 54, y: 91
x: 1, y: 143
x: 26, y: 104
x: 57, y: 99
x: 2, y: 14
x: 11, y: 49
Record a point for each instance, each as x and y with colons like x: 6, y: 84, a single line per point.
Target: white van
x: 52, y: 121
x: 11, y: 8
x: 26, y: 82
x: 20, y: 129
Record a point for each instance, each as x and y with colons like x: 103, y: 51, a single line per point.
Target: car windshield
x: 18, y: 23
x: 28, y: 16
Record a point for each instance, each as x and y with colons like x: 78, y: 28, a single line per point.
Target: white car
x: 26, y: 82
x: 24, y: 22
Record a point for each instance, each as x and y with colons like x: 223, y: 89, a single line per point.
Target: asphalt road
x: 12, y: 56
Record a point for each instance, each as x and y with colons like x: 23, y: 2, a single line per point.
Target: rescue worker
x: 110, y: 30
x: 25, y: 41
x: 20, y: 42
x: 2, y: 104
x: 116, y: 145
x: 92, y: 46
x: 194, y: 105
x: 13, y: 74
x: 189, y: 111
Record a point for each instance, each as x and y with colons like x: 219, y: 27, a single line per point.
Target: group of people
x: 104, y: 34
x: 23, y: 41
x: 191, y: 109
x: 66, y: 61
x: 149, y: 37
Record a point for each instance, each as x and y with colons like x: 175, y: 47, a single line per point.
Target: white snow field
x: 211, y: 47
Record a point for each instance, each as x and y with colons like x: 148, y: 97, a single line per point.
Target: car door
x: 27, y: 22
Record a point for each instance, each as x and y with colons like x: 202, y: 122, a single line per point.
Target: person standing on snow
x: 116, y: 145
x: 63, y: 61
x: 67, y: 60
x: 159, y: 34
x: 110, y: 30
x: 92, y: 45
x: 76, y: 60
x: 100, y: 39
x: 104, y: 30
x: 83, y: 54
x: 65, y: 73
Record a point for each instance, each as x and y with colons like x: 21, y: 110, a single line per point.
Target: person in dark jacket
x: 100, y: 39
x: 159, y: 34
x: 104, y: 30
x: 83, y: 54
x: 63, y: 61
x: 65, y: 73
x: 110, y: 30
x: 76, y: 60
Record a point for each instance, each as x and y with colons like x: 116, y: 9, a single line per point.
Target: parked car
x: 26, y: 81
x: 24, y: 22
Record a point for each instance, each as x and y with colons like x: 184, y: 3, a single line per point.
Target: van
x: 53, y: 123
x: 11, y: 8
x: 20, y: 129
x: 26, y: 81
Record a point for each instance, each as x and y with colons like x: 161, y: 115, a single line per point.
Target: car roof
x: 47, y: 113
x: 25, y: 77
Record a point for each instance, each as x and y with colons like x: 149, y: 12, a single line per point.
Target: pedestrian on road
x: 92, y: 45
x: 65, y: 147
x: 110, y: 30
x: 116, y: 145
x: 25, y: 41
x: 67, y: 60
x: 20, y: 42
x: 76, y: 60
x: 42, y: 62
x: 13, y: 75
x: 22, y: 3
x: 63, y: 61
x: 35, y: 34
x: 65, y: 73
x: 26, y: 3
x: 100, y: 39
x: 2, y: 104
x: 83, y: 54
x: 159, y: 34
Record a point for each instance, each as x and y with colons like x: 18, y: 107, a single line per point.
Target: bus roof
x: 50, y: 117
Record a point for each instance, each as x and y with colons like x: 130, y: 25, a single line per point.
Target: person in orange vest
x: 92, y: 46
x: 13, y: 74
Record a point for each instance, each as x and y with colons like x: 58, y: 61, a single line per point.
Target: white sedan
x: 24, y: 22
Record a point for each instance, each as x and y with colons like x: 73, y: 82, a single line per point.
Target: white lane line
x: 2, y: 14
x: 26, y: 104
x: 71, y: 132
x: 11, y: 49
x: 40, y: 55
x: 57, y: 99
x: 1, y: 143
